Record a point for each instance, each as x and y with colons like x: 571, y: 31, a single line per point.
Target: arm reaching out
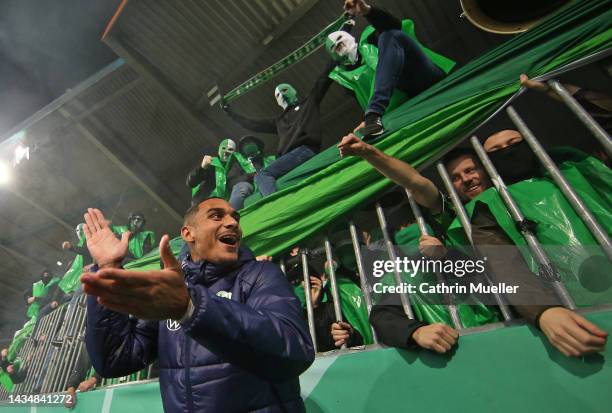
x: 423, y: 190
x: 256, y: 125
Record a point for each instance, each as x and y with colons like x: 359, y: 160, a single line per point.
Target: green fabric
x: 352, y: 305
x: 221, y: 171
x: 19, y: 338
x: 33, y: 310
x: 423, y: 127
x: 567, y: 241
x: 40, y: 290
x: 6, y: 381
x: 137, y: 241
x: 296, y: 56
x: 361, y: 79
x: 72, y: 278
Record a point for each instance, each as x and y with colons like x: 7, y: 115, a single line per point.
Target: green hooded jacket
x: 361, y: 79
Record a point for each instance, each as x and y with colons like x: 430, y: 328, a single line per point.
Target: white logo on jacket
x: 225, y: 294
x: 173, y: 325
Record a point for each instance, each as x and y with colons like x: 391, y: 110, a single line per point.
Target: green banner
x: 300, y: 54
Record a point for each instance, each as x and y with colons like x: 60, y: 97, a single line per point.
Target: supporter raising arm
x: 423, y: 190
x: 568, y: 331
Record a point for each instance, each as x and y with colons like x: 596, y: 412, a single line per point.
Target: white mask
x: 343, y: 47
x: 280, y: 99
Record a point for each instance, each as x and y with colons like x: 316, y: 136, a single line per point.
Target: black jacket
x: 299, y: 124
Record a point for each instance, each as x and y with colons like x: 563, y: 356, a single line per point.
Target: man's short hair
x: 195, y: 206
x: 459, y: 152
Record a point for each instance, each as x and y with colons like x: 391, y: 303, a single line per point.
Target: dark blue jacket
x: 236, y: 354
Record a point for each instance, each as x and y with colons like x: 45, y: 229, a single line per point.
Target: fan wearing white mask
x: 389, y: 56
x: 298, y: 128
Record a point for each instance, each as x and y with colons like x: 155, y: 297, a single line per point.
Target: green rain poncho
x: 361, y: 79
x: 20, y: 338
x: 71, y: 280
x: 582, y: 266
x: 39, y: 290
x: 5, y: 381
x: 428, y: 307
x: 137, y: 240
x: 352, y: 305
x: 221, y: 171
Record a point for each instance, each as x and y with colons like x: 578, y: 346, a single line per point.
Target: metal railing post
x: 405, y: 299
x: 420, y: 220
x: 598, y: 132
x: 308, y: 297
x: 540, y: 256
x: 365, y: 286
x: 332, y: 280
x: 570, y: 194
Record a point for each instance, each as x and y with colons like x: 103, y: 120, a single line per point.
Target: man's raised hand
x: 104, y: 247
x: 148, y: 295
x: 356, y: 7
x: 206, y: 161
x: 352, y: 145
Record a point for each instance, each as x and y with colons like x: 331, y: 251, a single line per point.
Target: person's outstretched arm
x: 200, y: 173
x: 424, y: 191
x: 255, y: 125
x: 379, y: 18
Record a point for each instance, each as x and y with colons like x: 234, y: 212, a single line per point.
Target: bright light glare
x: 21, y: 153
x: 5, y: 173
x: 59, y: 263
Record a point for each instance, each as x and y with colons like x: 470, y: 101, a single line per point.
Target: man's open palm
x: 103, y: 245
x: 147, y: 295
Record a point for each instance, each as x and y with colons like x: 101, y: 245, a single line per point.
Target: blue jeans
x: 403, y: 65
x: 240, y: 192
x: 266, y: 178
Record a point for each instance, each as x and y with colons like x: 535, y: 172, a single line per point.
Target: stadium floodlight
x: 59, y: 263
x: 21, y: 153
x: 5, y: 173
